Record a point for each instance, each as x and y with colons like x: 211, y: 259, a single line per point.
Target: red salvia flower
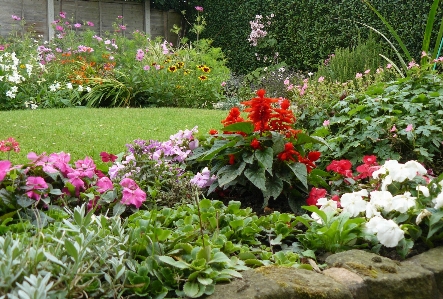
x: 260, y: 110
x: 233, y: 117
x: 289, y: 153
x: 314, y: 156
x: 231, y: 159
x: 255, y: 144
x: 282, y: 118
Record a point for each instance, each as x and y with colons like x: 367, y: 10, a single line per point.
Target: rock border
x: 353, y: 274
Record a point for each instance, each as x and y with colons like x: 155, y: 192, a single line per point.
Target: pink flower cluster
x: 9, y: 144
x: 257, y: 29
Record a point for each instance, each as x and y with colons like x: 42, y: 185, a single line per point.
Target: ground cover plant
x: 172, y: 210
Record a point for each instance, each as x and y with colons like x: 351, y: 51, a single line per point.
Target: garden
x: 134, y: 168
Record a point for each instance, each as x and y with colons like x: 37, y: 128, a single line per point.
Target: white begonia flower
x: 403, y: 202
x: 423, y: 189
x: 438, y: 201
x: 382, y: 199
x: 424, y: 213
x: 353, y: 203
x: 389, y: 233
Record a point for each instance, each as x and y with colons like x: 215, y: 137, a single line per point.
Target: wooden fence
x: 39, y: 15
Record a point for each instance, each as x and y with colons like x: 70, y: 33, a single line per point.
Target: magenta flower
x: 135, y: 197
x: 393, y: 129
x: 122, y: 27
x: 104, y: 184
x: 199, y: 8
x: 358, y: 75
x: 60, y: 161
x: 90, y: 24
x: 119, y: 17
x: 34, y: 184
x: 75, y: 178
x: 140, y: 55
x: 326, y: 123
x: 409, y: 128
x: 62, y: 14
x: 16, y: 18
x: 146, y: 67
x: 129, y: 183
x: 203, y: 179
x: 77, y: 25
x: 5, y: 165
x: 59, y: 28
x: 86, y: 166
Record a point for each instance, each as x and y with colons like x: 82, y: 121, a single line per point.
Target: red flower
x: 231, y: 159
x: 282, y: 119
x: 370, y: 160
x: 314, y: 195
x: 289, y: 153
x: 366, y: 170
x: 213, y: 132
x: 255, y: 144
x: 233, y: 117
x: 337, y: 199
x: 314, y: 156
x: 260, y: 110
x: 106, y: 157
x: 342, y: 167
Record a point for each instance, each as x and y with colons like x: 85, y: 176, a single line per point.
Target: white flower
x: 10, y: 94
x: 88, y: 89
x: 424, y: 213
x: 372, y: 224
x: 353, y: 203
x: 14, y: 89
x: 403, y: 202
x: 438, y: 201
x: 413, y: 168
x: 80, y: 88
x: 69, y: 85
x: 52, y: 87
x: 372, y: 210
x: 389, y: 233
x: 34, y: 106
x: 382, y: 199
x: 423, y: 189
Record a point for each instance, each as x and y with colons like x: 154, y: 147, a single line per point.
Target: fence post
x: 50, y: 19
x: 147, y: 17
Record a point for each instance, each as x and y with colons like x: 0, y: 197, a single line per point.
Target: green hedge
x: 308, y: 31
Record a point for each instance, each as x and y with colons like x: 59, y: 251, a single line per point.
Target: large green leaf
x: 218, y: 146
x: 274, y: 187
x: 303, y: 138
x: 257, y: 177
x: 245, y: 127
x: 299, y: 170
x: 429, y: 25
x: 230, y: 173
x: 266, y: 158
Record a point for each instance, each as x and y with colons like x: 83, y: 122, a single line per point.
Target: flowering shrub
x: 396, y: 205
x: 264, y: 153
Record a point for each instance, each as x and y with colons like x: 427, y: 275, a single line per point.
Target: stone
x: 273, y: 282
x: 385, y: 278
x: 431, y: 260
x: 352, y: 281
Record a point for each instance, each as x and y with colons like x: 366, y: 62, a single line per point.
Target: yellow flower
x: 172, y: 68
x: 206, y: 69
x: 203, y: 77
x: 186, y: 72
x: 180, y: 64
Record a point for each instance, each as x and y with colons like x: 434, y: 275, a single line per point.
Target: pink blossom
x: 86, y: 167
x: 199, y: 8
x: 423, y: 54
x: 321, y: 79
x: 59, y: 28
x: 358, y: 75
x: 5, y: 165
x: 77, y: 25
x: 90, y: 24
x: 104, y: 184
x: 223, y: 84
x: 129, y: 183
x: 412, y: 64
x: 367, y: 72
x: 119, y: 17
x: 326, y: 123
x: 135, y: 197
x: 409, y: 128
x: 60, y: 161
x: 2, y: 47
x: 388, y: 66
x: 157, y: 67
x: 16, y: 18
x: 122, y: 27
x: 393, y: 129
x: 286, y: 82
x: 75, y: 178
x: 34, y: 184
x: 62, y: 14
x: 146, y: 67
x: 140, y: 55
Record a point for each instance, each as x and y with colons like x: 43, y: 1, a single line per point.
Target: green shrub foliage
x: 307, y: 31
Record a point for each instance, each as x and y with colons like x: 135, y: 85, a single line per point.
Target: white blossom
x: 353, y: 203
x: 389, y: 233
x: 403, y: 202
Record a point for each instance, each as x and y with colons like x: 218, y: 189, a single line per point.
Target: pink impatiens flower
x: 104, y: 184
x: 409, y: 128
x: 34, y: 184
x: 132, y: 194
x: 5, y: 165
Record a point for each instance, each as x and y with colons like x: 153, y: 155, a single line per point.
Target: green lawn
x: 86, y: 131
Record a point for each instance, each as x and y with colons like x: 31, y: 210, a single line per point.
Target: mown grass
x: 87, y: 132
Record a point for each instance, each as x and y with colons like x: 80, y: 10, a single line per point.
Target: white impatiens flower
x: 403, y: 202
x: 413, y: 168
x: 382, y: 199
x: 400, y: 172
x: 353, y: 203
x: 423, y: 214
x: 438, y: 201
x: 389, y: 233
x: 423, y: 189
x: 372, y: 210
x: 372, y: 224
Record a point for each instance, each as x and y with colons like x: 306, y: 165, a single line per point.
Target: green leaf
x: 71, y: 250
x: 265, y: 157
x: 118, y: 209
x: 53, y: 259
x: 170, y: 261
x: 256, y: 177
x: 429, y: 26
x: 219, y: 257
x: 231, y: 272
x: 303, y: 138
x: 229, y: 173
x: 191, y: 289
x: 299, y: 170
x: 245, y: 127
x: 25, y: 201
x: 274, y: 187
x: 204, y: 281
x: 204, y: 253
